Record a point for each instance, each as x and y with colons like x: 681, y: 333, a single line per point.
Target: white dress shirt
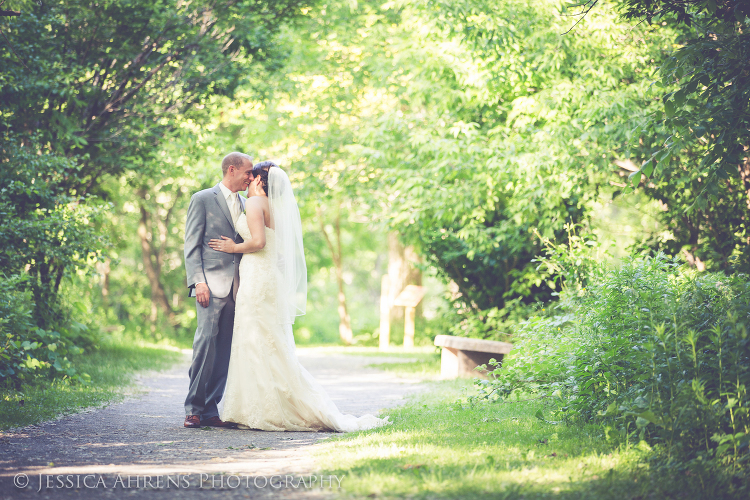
x: 233, y: 202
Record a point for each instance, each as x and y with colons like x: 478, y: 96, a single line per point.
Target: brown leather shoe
x: 217, y: 422
x: 192, y: 421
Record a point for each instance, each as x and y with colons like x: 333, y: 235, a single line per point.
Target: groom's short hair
x: 234, y: 160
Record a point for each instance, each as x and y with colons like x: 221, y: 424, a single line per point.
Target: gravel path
x: 139, y: 448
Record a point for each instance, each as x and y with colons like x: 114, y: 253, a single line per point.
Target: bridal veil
x: 292, y: 278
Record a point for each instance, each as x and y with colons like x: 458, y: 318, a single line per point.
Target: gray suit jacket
x: 209, y: 218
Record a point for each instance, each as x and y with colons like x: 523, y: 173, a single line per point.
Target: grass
x: 438, y: 449
x: 112, y: 369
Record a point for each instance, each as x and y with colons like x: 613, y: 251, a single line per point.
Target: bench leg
x: 449, y: 363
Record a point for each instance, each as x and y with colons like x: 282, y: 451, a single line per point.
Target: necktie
x: 235, y: 208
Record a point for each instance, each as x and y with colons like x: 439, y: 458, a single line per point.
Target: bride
x: 267, y: 388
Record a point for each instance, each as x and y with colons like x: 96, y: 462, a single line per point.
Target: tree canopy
x: 478, y: 131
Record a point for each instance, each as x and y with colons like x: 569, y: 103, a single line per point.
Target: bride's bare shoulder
x: 259, y: 205
x: 260, y: 202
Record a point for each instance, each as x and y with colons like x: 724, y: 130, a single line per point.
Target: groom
x: 213, y: 279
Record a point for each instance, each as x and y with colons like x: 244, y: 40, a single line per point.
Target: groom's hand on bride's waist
x: 202, y: 294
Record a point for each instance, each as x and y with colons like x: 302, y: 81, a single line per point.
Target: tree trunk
x: 104, y: 269
x: 345, y: 325
x: 401, y: 271
x: 152, y: 264
x: 744, y: 168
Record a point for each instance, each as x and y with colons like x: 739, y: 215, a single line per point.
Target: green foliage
x: 464, y: 126
x: 110, y: 81
x: 92, y: 95
x: 517, y: 133
x: 363, y: 266
x: 573, y: 265
x: 45, y: 236
x: 28, y: 352
x: 701, y: 171
x: 711, y: 232
x: 41, y: 226
x: 493, y: 324
x: 653, y: 349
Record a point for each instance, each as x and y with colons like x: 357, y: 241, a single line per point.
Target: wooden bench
x: 461, y: 355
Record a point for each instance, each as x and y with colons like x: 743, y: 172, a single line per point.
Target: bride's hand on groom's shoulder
x: 223, y: 245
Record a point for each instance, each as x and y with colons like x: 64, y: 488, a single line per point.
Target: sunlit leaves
x: 111, y: 82
x: 706, y: 106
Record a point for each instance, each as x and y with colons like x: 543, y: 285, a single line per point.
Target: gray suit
x: 209, y: 218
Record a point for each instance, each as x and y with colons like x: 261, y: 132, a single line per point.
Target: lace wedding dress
x: 267, y: 388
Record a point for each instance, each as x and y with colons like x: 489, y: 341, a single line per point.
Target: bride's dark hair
x: 261, y: 170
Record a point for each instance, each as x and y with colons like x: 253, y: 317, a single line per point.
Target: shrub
x: 492, y: 324
x: 654, y: 349
x: 46, y: 236
x: 564, y: 268
x: 26, y: 351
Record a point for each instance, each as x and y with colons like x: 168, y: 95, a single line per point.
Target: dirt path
x: 139, y: 448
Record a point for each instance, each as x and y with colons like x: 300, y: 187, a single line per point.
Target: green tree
x: 464, y: 126
x: 701, y: 170
x: 45, y: 237
x: 496, y: 124
x: 44, y: 233
x: 109, y: 82
x: 91, y: 95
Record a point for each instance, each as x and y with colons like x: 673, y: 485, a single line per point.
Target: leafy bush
x: 493, y: 324
x: 46, y: 236
x: 27, y: 351
x: 564, y: 267
x: 653, y: 350
x: 45, y: 233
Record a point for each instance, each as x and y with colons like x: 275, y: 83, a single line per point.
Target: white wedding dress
x: 267, y: 387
